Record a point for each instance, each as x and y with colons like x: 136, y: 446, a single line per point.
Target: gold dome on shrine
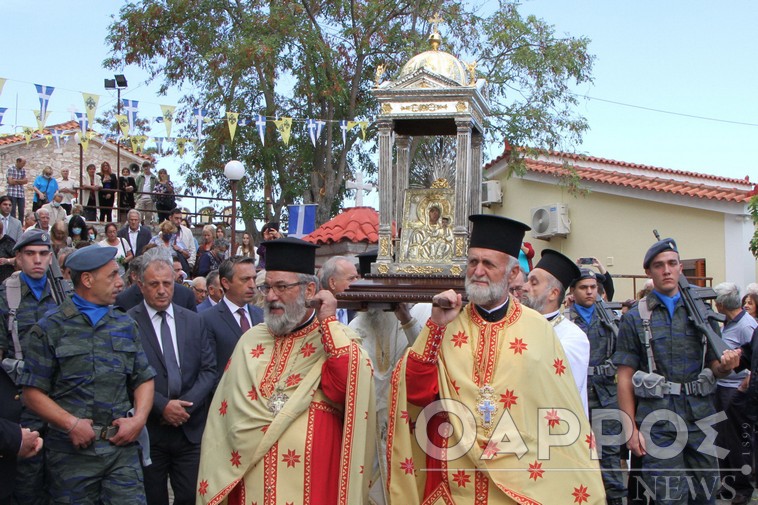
x: 438, y: 62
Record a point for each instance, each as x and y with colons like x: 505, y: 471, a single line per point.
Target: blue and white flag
x: 44, y: 92
x: 57, y: 134
x: 260, y: 124
x: 81, y: 118
x: 343, y: 127
x: 302, y: 220
x: 314, y: 129
x: 130, y: 110
x: 199, y: 119
x: 2, y: 112
x: 159, y: 144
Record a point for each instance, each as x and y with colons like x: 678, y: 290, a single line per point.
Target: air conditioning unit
x: 491, y: 193
x: 550, y: 221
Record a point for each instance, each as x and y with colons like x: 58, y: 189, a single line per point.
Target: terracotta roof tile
x: 355, y: 224
x: 68, y: 126
x: 650, y: 183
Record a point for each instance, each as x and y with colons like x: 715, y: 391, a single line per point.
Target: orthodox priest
x: 482, y: 410
x: 293, y: 417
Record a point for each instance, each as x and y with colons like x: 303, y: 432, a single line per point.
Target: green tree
x: 317, y: 59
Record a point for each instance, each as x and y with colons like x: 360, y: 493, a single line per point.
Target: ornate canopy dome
x: 439, y: 62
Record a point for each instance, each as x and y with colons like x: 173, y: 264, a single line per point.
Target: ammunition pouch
x: 13, y: 367
x: 648, y: 385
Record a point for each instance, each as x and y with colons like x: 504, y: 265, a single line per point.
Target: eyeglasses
x: 200, y: 290
x: 279, y: 289
x: 516, y: 290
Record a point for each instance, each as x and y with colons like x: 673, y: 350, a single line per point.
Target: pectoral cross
x: 486, y: 408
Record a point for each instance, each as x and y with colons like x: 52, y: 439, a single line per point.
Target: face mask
x: 76, y: 231
x: 91, y: 237
x: 56, y: 204
x: 166, y: 236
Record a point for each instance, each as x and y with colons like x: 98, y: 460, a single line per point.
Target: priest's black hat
x: 498, y: 233
x: 559, y: 266
x: 290, y: 255
x: 365, y: 259
x: 667, y: 244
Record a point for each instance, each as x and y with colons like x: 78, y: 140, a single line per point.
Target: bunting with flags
x: 123, y: 124
x: 302, y: 220
x: 57, y: 134
x: 2, y: 113
x: 83, y: 121
x: 200, y: 116
x: 231, y: 121
x: 284, y: 126
x: 314, y: 129
x: 41, y: 120
x: 2, y: 83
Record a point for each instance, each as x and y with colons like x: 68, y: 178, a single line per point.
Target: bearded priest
x: 293, y: 416
x: 482, y: 409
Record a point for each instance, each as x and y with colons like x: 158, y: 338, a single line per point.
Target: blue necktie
x: 169, y: 356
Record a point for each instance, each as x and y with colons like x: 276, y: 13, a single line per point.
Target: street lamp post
x: 234, y: 170
x: 118, y: 83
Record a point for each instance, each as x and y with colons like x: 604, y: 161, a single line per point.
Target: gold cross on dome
x: 435, y: 21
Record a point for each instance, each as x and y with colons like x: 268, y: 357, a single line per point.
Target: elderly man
x: 736, y: 430
x: 294, y: 410
x: 200, y: 288
x: 87, y: 376
x: 230, y: 318
x: 665, y: 385
x: 215, y: 291
x: 43, y: 220
x: 66, y: 187
x: 337, y: 273
x: 55, y: 208
x: 477, y: 369
x: 177, y: 347
x: 544, y: 293
x: 136, y: 235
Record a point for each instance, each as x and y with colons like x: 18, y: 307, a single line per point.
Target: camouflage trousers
x: 113, y: 478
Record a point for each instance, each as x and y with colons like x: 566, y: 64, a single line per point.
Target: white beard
x: 283, y: 324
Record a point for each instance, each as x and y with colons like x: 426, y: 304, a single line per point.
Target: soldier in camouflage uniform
x: 33, y: 255
x: 601, y: 380
x: 84, y: 362
x: 677, y: 466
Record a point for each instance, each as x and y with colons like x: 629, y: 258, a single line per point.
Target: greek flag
x: 130, y: 110
x: 57, y: 134
x: 302, y: 220
x: 83, y: 122
x: 44, y: 92
x: 314, y: 129
x: 343, y: 127
x: 199, y: 118
x: 260, y: 124
x: 2, y: 112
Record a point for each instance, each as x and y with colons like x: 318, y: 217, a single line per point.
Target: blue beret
x: 32, y: 236
x: 90, y: 258
x: 667, y: 244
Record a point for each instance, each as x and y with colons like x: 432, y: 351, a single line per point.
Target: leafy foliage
x: 317, y: 59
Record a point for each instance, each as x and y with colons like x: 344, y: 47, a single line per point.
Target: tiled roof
x: 641, y: 177
x: 68, y: 126
x: 355, y: 224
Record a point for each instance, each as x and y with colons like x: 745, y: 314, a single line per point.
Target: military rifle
x: 60, y: 287
x: 700, y: 313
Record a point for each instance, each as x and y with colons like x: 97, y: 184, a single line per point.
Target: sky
x: 674, y: 81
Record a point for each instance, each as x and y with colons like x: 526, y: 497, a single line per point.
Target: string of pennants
x: 128, y: 119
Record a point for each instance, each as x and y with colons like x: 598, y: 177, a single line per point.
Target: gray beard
x: 283, y: 324
x: 537, y: 304
x: 489, y: 295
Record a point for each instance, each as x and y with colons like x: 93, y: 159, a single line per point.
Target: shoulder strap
x: 645, y: 315
x: 13, y: 295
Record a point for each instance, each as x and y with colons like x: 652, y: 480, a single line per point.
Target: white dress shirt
x: 156, y: 319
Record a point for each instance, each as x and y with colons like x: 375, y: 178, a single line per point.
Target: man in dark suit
x: 215, y: 293
x: 15, y: 441
x: 233, y: 315
x: 136, y: 236
x: 132, y: 296
x: 176, y: 345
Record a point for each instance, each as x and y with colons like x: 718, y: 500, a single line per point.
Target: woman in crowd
x: 126, y: 185
x: 247, y: 248
x: 45, y: 187
x: 123, y: 252
x: 107, y: 193
x: 77, y: 226
x: 206, y: 242
x: 750, y: 304
x: 90, y: 188
x: 165, y: 201
x: 169, y: 238
x: 59, y: 236
x: 91, y: 234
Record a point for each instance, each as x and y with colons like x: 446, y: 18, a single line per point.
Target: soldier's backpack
x: 13, y: 366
